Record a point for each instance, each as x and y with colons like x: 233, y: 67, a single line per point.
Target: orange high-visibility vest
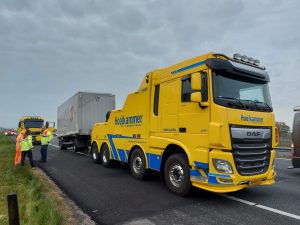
x: 18, y: 149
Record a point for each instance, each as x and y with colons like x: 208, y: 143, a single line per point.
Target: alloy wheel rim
x: 137, y: 164
x: 104, y: 157
x: 176, y: 175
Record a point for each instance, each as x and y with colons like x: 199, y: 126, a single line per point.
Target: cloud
x: 52, y: 49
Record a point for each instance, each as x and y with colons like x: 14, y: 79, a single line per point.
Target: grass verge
x: 36, y: 206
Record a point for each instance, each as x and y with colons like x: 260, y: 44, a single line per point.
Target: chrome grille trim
x: 251, y: 154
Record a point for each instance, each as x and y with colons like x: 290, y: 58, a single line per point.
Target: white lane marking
x: 297, y: 217
x: 240, y: 200
x: 53, y: 169
x: 81, y: 153
x: 56, y: 146
x: 279, y: 212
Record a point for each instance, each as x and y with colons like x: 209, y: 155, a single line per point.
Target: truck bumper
x: 36, y: 140
x: 211, y: 180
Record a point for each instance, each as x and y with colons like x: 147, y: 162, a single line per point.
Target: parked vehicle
x: 296, y: 138
x: 205, y: 122
x: 34, y: 125
x: 10, y: 132
x: 76, y: 117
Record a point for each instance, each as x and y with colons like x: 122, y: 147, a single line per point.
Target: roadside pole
x: 13, y: 209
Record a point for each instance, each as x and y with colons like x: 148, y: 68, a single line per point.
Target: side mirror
x: 196, y: 81
x: 196, y: 97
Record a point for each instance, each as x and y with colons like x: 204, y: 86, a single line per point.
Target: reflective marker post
x: 13, y: 209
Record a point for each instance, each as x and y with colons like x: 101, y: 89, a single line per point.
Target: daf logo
x: 253, y: 134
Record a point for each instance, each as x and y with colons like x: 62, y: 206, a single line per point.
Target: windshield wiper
x: 237, y: 100
x: 255, y: 103
x: 252, y: 102
x: 266, y: 105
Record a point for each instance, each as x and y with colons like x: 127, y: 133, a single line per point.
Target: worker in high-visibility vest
x: 18, y: 147
x: 26, y: 146
x: 46, y: 138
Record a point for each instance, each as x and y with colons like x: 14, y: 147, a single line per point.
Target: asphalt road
x: 112, y: 196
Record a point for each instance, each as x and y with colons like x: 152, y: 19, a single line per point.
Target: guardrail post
x: 13, y: 209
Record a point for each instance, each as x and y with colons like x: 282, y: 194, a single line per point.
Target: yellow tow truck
x: 34, y: 125
x: 205, y: 122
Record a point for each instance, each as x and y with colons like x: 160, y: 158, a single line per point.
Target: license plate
x: 255, y: 182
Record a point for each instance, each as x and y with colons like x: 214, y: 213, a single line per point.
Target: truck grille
x: 251, y: 149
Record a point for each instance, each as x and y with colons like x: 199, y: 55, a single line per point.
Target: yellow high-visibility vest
x: 26, y: 143
x: 46, y: 137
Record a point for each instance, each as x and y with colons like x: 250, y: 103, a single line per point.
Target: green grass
x: 35, y: 207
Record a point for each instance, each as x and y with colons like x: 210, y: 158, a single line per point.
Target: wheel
x: 138, y: 164
x: 95, y: 154
x: 61, y: 145
x: 104, y: 156
x: 75, y: 145
x: 177, y: 174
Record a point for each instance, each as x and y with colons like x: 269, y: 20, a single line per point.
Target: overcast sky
x: 51, y: 49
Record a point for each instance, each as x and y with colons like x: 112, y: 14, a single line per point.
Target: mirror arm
x: 203, y: 105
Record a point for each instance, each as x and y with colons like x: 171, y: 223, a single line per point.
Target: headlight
x: 222, y: 166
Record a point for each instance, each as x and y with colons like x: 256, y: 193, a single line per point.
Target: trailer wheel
x: 138, y: 164
x: 177, y: 174
x: 104, y: 156
x: 75, y: 145
x: 61, y: 145
x: 95, y: 154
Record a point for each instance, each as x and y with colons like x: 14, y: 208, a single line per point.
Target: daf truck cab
x: 34, y: 125
x: 205, y: 122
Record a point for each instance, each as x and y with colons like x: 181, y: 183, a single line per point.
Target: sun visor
x: 240, y: 68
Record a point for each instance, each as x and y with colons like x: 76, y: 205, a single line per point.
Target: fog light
x: 222, y: 166
x: 226, y: 180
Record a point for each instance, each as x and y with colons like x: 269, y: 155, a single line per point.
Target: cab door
x: 194, y: 119
x: 169, y: 106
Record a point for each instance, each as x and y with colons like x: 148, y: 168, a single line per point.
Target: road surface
x: 112, y: 196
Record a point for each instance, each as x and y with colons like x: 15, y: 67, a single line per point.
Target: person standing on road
x: 18, y: 147
x: 26, y: 146
x: 46, y: 138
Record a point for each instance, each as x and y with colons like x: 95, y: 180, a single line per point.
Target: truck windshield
x: 236, y: 91
x: 33, y: 123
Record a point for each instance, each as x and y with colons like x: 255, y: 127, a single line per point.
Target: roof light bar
x: 246, y: 59
x: 237, y: 56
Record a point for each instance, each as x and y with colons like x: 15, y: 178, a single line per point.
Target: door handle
x: 182, y: 129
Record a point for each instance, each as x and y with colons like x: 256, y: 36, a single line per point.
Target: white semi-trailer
x: 76, y: 117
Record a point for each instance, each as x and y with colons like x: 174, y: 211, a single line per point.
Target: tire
x: 62, y: 146
x: 138, y: 164
x: 95, y: 154
x: 105, y: 156
x: 177, y: 174
x: 75, y: 144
